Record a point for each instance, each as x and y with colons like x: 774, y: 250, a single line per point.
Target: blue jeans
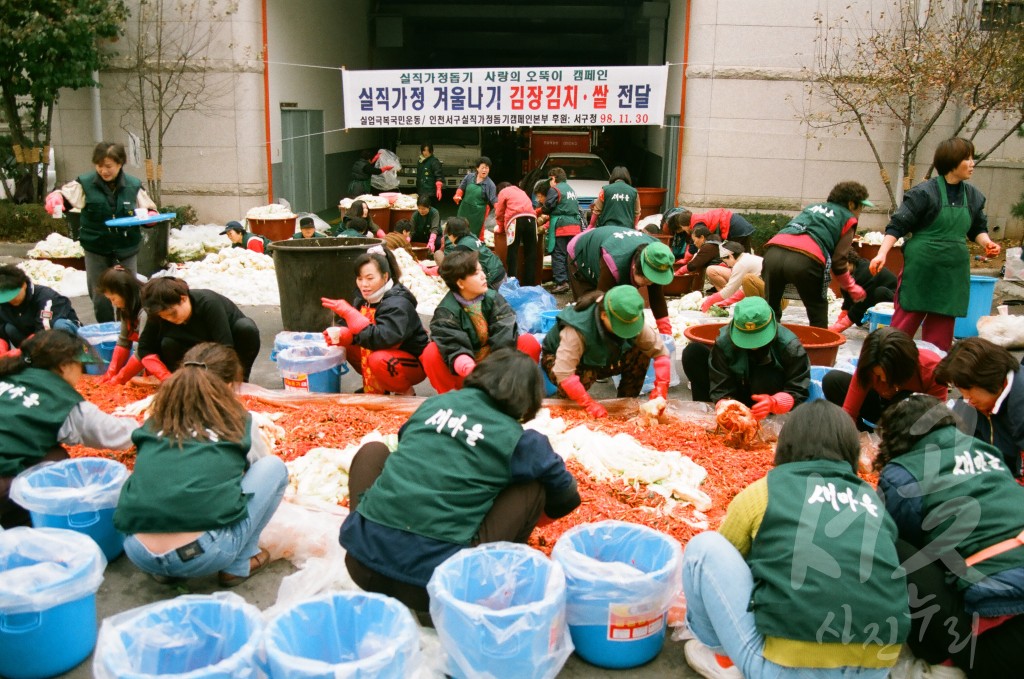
x: 718, y: 585
x: 225, y: 549
x: 559, y: 259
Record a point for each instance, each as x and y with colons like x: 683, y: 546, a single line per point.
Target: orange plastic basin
x: 822, y: 345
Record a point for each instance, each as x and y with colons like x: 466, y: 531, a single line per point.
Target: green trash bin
x: 310, y: 269
x: 153, y: 248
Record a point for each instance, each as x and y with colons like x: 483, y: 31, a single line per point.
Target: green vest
x: 428, y: 172
x: 316, y: 234
x: 33, y: 406
x: 738, y: 359
x: 618, y: 241
x: 567, y: 212
x: 194, y: 487
x: 824, y: 560
x: 465, y: 322
x: 619, y: 208
x: 94, y: 234
x: 246, y: 237
x: 600, y: 347
x: 824, y: 223
x: 352, y: 233
x: 968, y: 498
x: 489, y: 261
x: 421, y: 225
x: 451, y: 463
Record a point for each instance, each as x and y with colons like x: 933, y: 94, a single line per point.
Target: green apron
x: 937, y: 266
x: 474, y: 208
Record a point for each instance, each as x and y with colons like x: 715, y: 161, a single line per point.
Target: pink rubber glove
x: 437, y: 185
x: 375, y: 158
x: 380, y: 233
x: 464, y: 365
x: 117, y: 361
x: 735, y: 298
x: 355, y: 321
x: 429, y: 268
x: 709, y: 301
x: 681, y: 270
x: 431, y: 241
x: 387, y: 167
x: 662, y: 376
x: 156, y: 367
x: 153, y: 213
x: 664, y: 325
x: 54, y: 199
x: 458, y: 197
x: 132, y: 368
x: 344, y: 337
x: 777, y: 404
x: 847, y: 283
x: 575, y: 390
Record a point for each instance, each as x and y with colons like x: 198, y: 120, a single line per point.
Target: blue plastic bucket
x: 547, y: 319
x: 621, y: 579
x: 79, y: 494
x: 48, y: 583
x: 344, y: 634
x: 818, y: 373
x: 309, y: 368
x: 499, y: 611
x: 102, y: 336
x: 206, y: 636
x: 979, y: 304
x: 287, y: 339
x: 878, y: 318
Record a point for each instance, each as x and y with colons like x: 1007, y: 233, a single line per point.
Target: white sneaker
x: 702, y: 660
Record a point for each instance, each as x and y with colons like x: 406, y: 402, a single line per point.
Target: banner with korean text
x: 480, y: 97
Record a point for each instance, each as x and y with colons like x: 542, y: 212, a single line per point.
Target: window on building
x: 997, y: 14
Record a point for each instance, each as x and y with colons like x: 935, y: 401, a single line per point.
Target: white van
x: 458, y: 149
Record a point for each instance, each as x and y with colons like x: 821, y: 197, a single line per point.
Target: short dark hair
x: 951, y: 152
x: 735, y: 248
x: 123, y: 283
x: 652, y: 229
x: 541, y: 187
x: 890, y: 349
x: 679, y: 221
x: 701, y: 231
x: 558, y: 174
x: 163, y: 293
x: 429, y: 147
x: 845, y: 193
x: 458, y: 265
x: 423, y: 201
x: 109, y: 149
x: 502, y: 186
x: 386, y: 263
x: 12, y: 277
x: 976, y: 362
x: 219, y: 359
x: 483, y: 160
x: 46, y: 349
x: 818, y: 430
x: 512, y: 380
x: 908, y: 421
x: 356, y: 209
x: 457, y: 226
x: 619, y: 172
x: 403, y: 226
x: 367, y: 154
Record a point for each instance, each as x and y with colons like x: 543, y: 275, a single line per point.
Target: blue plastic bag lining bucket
x: 621, y: 579
x: 344, y: 634
x: 312, y: 369
x: 979, y: 304
x: 499, y: 611
x: 206, y: 636
x: 548, y: 319
x: 79, y: 494
x: 648, y: 385
x: 103, y: 336
x: 48, y: 583
x: 287, y: 339
x: 531, y: 303
x: 818, y: 373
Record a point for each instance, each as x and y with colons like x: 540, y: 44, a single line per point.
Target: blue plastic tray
x: 125, y: 222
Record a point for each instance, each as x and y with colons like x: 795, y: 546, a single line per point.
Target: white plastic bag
x: 1014, y: 265
x: 386, y: 181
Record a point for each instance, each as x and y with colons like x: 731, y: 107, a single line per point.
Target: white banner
x: 500, y: 97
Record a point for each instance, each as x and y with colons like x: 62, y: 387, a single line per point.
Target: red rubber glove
x: 577, y: 392
x: 777, y: 404
x: 387, y: 167
x: 117, y: 361
x: 544, y: 520
x: 458, y: 197
x: 464, y: 365
x: 375, y: 158
x: 847, y: 283
x: 131, y: 368
x: 662, y: 376
x: 355, y: 321
x: 54, y: 199
x: 681, y: 270
x: 709, y: 301
x: 687, y: 256
x: 664, y: 325
x: 437, y: 185
x: 4, y: 347
x: 153, y: 213
x: 992, y: 249
x: 735, y: 298
x: 156, y: 367
x: 344, y: 337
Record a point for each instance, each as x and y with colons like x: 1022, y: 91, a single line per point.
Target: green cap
x: 625, y: 309
x: 753, y: 323
x: 656, y: 262
x: 9, y: 294
x: 867, y: 203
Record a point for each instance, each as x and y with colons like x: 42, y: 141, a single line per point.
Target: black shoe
x: 560, y: 289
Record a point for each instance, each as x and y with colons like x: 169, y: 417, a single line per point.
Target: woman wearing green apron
x: 476, y: 195
x: 939, y: 216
